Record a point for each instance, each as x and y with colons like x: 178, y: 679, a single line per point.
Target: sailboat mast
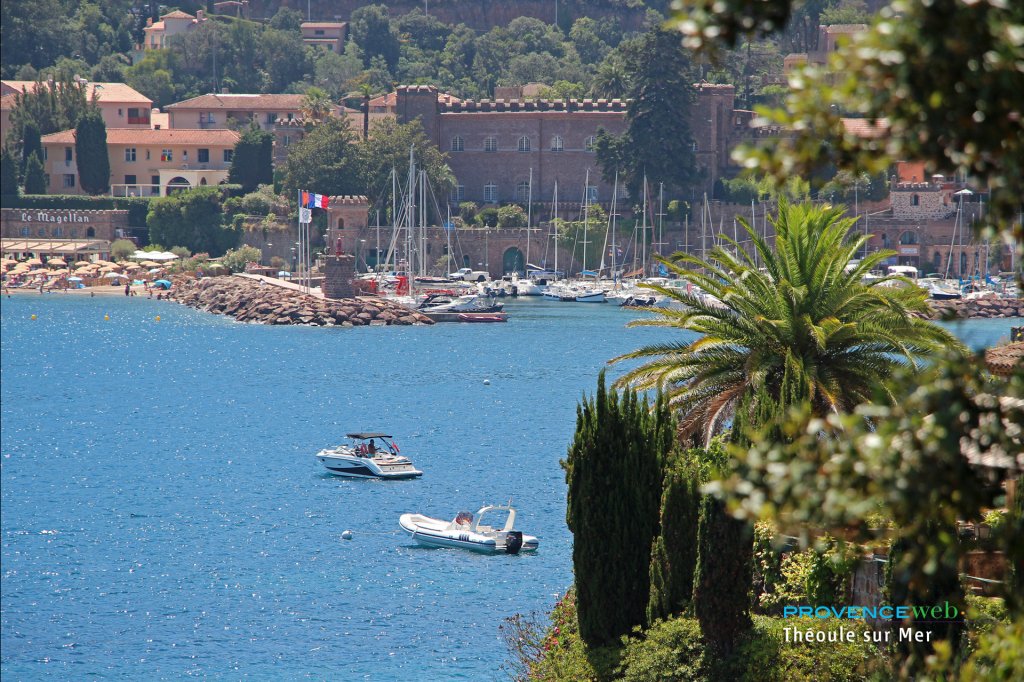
x: 643, y: 234
x: 554, y: 225
x: 615, y: 253
x: 586, y: 215
x: 529, y: 223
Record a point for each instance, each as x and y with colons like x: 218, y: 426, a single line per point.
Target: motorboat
x: 467, y: 531
x: 363, y: 457
x: 469, y: 303
x: 483, y: 317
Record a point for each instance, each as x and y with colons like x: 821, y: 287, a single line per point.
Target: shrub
x: 512, y: 215
x: 236, y: 259
x: 467, y: 211
x: 999, y: 655
x: 122, y: 249
x: 669, y: 650
x: 488, y: 217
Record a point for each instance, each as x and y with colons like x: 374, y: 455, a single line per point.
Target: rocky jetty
x: 980, y: 307
x: 249, y: 301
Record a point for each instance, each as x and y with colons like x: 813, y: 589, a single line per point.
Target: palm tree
x: 316, y: 104
x: 803, y: 327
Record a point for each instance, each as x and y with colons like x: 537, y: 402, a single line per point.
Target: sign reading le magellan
x: 54, y: 217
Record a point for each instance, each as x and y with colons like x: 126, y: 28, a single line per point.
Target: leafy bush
x: 814, y: 576
x: 999, y: 655
x: 122, y: 249
x: 237, y: 259
x: 995, y: 518
x: 674, y: 650
x: 487, y: 217
x: 512, y: 215
x: 467, y: 211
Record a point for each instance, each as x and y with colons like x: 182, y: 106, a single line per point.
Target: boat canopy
x: 367, y: 436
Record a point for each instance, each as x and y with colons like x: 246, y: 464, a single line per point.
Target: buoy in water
x: 157, y: 318
x: 106, y: 317
x: 346, y: 535
x: 487, y: 382
x: 33, y: 317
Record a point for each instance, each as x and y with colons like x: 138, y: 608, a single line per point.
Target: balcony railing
x: 138, y: 120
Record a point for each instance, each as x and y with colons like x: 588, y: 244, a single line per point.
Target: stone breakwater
x: 982, y: 307
x: 249, y: 301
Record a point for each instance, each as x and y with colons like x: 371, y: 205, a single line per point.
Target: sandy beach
x: 102, y: 290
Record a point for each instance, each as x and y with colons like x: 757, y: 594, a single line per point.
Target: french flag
x: 310, y: 200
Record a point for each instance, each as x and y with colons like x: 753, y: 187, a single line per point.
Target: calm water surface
x: 163, y: 514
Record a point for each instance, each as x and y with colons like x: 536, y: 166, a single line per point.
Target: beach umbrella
x: 34, y: 261
x: 162, y: 283
x: 74, y: 279
x: 57, y: 261
x: 114, y: 275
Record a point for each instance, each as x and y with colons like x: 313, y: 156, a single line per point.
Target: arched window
x: 491, y: 144
x: 341, y: 223
x: 457, y: 144
x: 90, y: 232
x: 524, y: 143
x: 915, y: 200
x: 908, y: 237
x: 590, y: 143
x: 937, y: 261
x: 491, y: 193
x: 963, y: 263
x: 557, y: 144
x: 885, y: 241
x: 523, y: 192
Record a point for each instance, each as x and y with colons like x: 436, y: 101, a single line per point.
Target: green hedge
x: 137, y: 207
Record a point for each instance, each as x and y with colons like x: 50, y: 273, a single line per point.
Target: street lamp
x: 362, y: 249
x: 293, y: 259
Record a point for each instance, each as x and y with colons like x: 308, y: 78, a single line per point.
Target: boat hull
x: 366, y: 467
x: 435, y: 533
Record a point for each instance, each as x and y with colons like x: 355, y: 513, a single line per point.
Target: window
x: 138, y: 116
x: 557, y: 144
x: 523, y: 192
x: 130, y: 180
x: 203, y: 156
x: 58, y: 231
x: 524, y: 144
x: 590, y: 143
x: 69, y: 155
x: 287, y: 141
x: 167, y: 155
x: 491, y: 193
x: 206, y: 119
x: 46, y: 154
x: 591, y: 193
x: 229, y: 154
x: 457, y: 144
x: 129, y: 154
x: 318, y: 32
x: 693, y: 146
x: 69, y: 180
x: 491, y: 144
x: 184, y: 155
x: 147, y: 155
x: 120, y: 112
x: 915, y: 200
x: 25, y: 231
x: 458, y: 194
x: 271, y: 117
x: 154, y: 180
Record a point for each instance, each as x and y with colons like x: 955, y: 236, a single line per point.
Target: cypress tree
x: 674, y: 556
x: 91, y: 153
x: 35, y: 176
x: 31, y: 142
x: 252, y: 163
x: 722, y: 580
x: 8, y: 175
x: 613, y: 469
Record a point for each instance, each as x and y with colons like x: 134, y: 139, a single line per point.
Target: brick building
x: 492, y: 145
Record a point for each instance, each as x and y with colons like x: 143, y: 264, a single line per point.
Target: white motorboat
x: 469, y: 532
x: 364, y: 458
x: 469, y: 303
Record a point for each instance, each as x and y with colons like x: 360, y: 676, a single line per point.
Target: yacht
x: 363, y: 457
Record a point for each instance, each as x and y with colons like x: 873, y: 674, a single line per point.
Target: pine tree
x: 91, y: 153
x: 674, y: 556
x: 252, y: 163
x: 613, y: 470
x: 8, y: 175
x: 35, y: 176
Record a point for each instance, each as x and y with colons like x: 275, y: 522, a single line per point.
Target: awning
x: 61, y: 246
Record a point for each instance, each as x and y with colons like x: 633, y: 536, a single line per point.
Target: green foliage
x: 325, y: 161
x: 191, y: 219
x: 795, y: 325
x: 122, y: 249
x: 91, y: 153
x: 613, y: 470
x: 584, y: 239
x: 35, y: 176
x: 817, y: 576
x: 722, y: 579
x: 261, y: 202
x: 511, y: 215
x: 487, y: 217
x: 467, y: 211
x: 237, y: 259
x: 999, y: 655
x: 31, y: 143
x: 370, y: 29
x: 252, y: 163
x: 8, y: 176
x: 674, y: 556
x: 387, y: 148
x: 674, y: 650
x: 48, y: 108
x: 658, y: 141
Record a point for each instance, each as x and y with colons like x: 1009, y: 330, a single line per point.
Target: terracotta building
x: 329, y: 35
x: 231, y: 111
x: 120, y: 105
x: 160, y: 33
x: 145, y: 162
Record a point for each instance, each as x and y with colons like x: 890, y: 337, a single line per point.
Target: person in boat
x: 372, y: 447
x: 464, y: 519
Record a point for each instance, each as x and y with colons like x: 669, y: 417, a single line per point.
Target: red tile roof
x: 1002, y: 360
x: 144, y: 136
x: 105, y: 92
x: 240, y: 102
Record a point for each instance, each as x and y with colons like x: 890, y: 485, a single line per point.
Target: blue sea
x: 163, y: 515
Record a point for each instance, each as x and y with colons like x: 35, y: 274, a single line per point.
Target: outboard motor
x: 513, y: 542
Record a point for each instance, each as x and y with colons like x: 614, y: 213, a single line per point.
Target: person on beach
x: 127, y: 289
